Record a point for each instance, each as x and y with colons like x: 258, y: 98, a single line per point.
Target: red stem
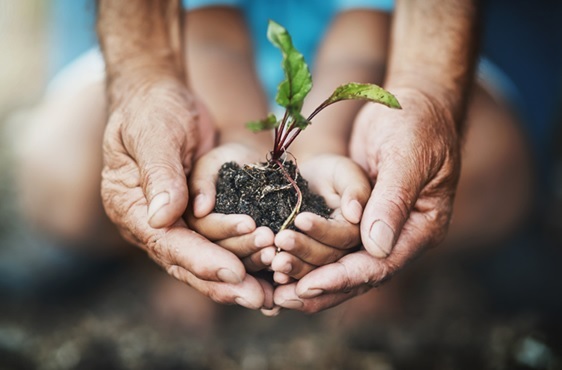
x: 298, y: 204
x: 290, y: 140
x: 280, y: 133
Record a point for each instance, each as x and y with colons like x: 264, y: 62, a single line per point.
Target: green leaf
x: 298, y: 81
x: 299, y: 121
x: 268, y: 123
x: 358, y: 91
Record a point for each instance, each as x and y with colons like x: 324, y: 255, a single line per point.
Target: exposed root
x: 297, y: 206
x: 272, y: 189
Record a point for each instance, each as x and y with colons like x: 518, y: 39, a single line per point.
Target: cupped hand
x: 346, y: 188
x: 234, y: 232
x: 151, y: 139
x: 413, y: 157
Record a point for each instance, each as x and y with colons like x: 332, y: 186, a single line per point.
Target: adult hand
x: 152, y: 137
x: 413, y: 157
x: 234, y: 232
x: 346, y: 189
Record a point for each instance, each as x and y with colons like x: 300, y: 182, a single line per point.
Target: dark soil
x: 264, y: 193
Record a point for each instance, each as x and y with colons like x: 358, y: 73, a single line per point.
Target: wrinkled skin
x: 151, y: 139
x: 413, y: 158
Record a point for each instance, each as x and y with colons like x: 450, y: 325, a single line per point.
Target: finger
x: 347, y: 274
x: 354, y: 189
x: 202, y: 183
x: 204, y: 176
x: 334, y: 232
x: 354, y: 198
x: 180, y: 248
x: 290, y: 265
x: 259, y: 260
x: 243, y: 246
x: 268, y: 294
x: 306, y: 249
x: 271, y: 313
x: 248, y: 293
x: 361, y: 269
x: 281, y: 278
x: 285, y: 296
x: 172, y: 247
x: 207, y: 129
x: 163, y: 178
x: 388, y: 209
x: 218, y: 226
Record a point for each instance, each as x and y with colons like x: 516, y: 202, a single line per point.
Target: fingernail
x: 304, y: 223
x: 356, y: 210
x: 271, y: 313
x: 382, y: 235
x: 244, y: 227
x: 312, y: 293
x: 293, y: 304
x: 157, y: 203
x: 243, y: 302
x: 262, y: 240
x: 228, y: 276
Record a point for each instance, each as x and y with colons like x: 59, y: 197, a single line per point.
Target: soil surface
x: 264, y: 193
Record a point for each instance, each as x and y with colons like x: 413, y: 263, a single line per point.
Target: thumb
x: 387, y: 210
x: 202, y: 183
x: 163, y: 179
x: 355, y: 189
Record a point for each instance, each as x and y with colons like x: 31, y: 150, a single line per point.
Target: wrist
x: 447, y: 102
x: 143, y: 84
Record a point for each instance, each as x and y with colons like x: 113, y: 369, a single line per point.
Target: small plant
x: 291, y: 94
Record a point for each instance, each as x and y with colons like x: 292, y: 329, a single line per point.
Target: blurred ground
x: 498, y: 310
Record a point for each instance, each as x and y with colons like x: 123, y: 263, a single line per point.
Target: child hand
x: 346, y: 189
x: 234, y: 232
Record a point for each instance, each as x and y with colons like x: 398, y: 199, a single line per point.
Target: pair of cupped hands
x: 391, y: 199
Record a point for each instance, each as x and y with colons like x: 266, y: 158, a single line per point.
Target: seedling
x: 291, y: 94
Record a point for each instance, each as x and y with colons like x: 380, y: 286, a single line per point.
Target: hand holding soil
x: 320, y: 240
x: 147, y: 154
x: 235, y: 232
x: 415, y: 168
x: 274, y: 193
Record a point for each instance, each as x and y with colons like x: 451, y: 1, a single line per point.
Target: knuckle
x: 374, y: 280
x: 395, y: 200
x: 299, y: 243
x: 312, y: 309
x: 175, y: 272
x: 158, y: 250
x: 352, y: 238
x: 299, y: 268
x: 154, y: 174
x: 346, y: 285
x: 332, y: 255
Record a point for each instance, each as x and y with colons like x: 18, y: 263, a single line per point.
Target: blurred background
x: 499, y: 308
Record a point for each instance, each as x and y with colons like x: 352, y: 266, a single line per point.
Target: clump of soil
x: 264, y: 193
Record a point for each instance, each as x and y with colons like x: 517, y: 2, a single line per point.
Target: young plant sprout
x: 291, y: 94
x: 295, y: 87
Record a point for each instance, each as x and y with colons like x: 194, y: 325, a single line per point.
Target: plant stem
x: 289, y: 141
x: 297, y: 207
x: 280, y: 132
x: 317, y: 110
x: 283, y: 139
